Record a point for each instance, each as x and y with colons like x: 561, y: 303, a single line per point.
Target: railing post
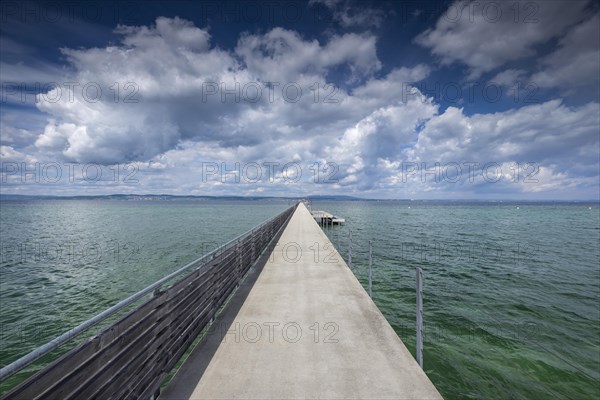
x: 253, y: 238
x: 350, y: 249
x: 239, y: 263
x: 370, y: 270
x: 420, y: 317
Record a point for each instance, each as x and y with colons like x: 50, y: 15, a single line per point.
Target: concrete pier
x: 301, y: 327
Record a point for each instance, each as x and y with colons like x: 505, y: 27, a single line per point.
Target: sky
x: 381, y: 99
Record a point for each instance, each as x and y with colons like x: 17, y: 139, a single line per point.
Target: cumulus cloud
x: 537, y: 132
x: 485, y: 35
x: 382, y: 136
x: 174, y: 86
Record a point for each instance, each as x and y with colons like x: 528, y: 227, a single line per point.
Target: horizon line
x: 340, y: 196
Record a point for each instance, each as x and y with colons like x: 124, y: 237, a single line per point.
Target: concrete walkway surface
x: 301, y: 327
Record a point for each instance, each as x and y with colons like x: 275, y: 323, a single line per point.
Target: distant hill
x: 334, y: 198
x: 142, y: 197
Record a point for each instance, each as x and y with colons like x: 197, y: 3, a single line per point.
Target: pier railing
x: 418, y: 286
x: 132, y: 357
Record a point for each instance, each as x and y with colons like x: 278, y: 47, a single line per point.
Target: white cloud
x: 174, y: 33
x: 349, y: 15
x: 395, y: 85
x: 484, y: 35
x: 15, y: 136
x: 380, y: 137
x: 546, y: 134
x: 9, y: 154
x: 576, y: 61
x: 283, y: 56
x: 168, y: 66
x: 510, y: 77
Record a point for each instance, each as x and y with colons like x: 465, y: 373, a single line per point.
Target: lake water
x: 512, y: 291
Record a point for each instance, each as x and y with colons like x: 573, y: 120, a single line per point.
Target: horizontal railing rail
x: 130, y: 358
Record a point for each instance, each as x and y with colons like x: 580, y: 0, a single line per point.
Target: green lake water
x: 512, y: 291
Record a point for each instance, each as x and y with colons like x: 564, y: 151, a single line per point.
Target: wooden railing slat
x: 131, y: 357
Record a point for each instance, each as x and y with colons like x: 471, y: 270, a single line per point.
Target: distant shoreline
x: 166, y: 197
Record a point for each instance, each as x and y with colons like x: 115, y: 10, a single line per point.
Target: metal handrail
x: 419, y: 287
x: 27, y: 359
